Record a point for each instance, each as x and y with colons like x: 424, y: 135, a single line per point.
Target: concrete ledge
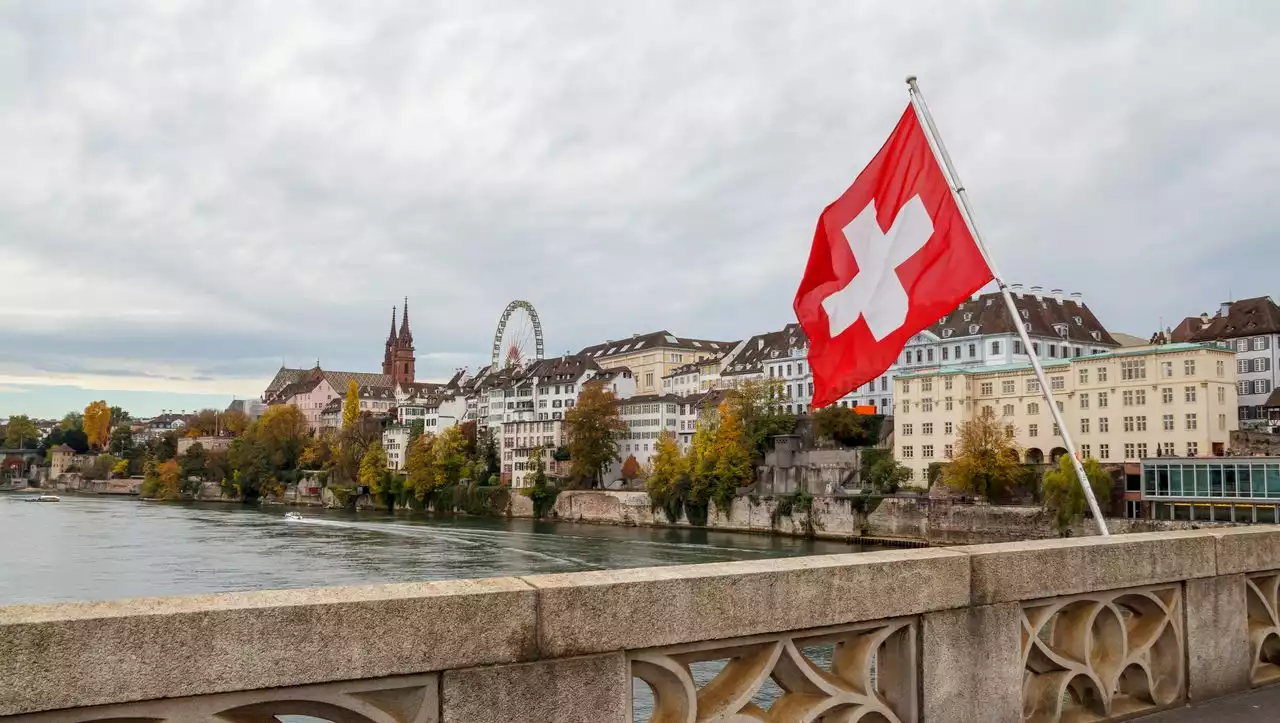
x: 594, y: 612
x: 595, y: 689
x: 1248, y: 549
x: 83, y: 654
x: 1019, y: 571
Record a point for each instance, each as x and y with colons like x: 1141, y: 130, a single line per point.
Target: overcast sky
x: 191, y: 192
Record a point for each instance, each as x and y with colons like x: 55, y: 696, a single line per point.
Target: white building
x: 647, y: 416
x: 1252, y: 328
x: 395, y: 440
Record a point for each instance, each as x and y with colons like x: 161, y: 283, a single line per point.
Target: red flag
x: 890, y: 257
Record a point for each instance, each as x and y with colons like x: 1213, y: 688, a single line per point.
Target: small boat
x: 48, y: 498
x: 293, y: 516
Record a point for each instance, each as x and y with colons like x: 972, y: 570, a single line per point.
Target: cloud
x: 194, y: 191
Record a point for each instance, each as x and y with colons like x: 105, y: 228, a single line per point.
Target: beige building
x: 1121, y: 406
x: 650, y: 357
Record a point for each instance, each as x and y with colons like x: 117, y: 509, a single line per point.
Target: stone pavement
x: 1256, y: 705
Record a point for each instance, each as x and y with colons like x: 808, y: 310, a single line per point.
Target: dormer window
x: 946, y: 333
x: 1097, y: 335
x: 1061, y: 329
x: 968, y: 316
x: 1077, y: 320
x: 1025, y: 314
x: 973, y: 328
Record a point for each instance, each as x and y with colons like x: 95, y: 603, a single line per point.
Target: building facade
x: 1220, y: 489
x: 1252, y: 328
x: 653, y: 356
x: 646, y: 416
x: 1126, y: 405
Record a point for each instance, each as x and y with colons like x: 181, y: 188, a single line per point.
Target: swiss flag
x: 890, y: 257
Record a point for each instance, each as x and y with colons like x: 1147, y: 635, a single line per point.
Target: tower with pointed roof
x: 388, y: 356
x: 400, y: 359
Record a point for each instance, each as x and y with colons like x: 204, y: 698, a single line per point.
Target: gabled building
x: 1251, y: 327
x: 652, y: 356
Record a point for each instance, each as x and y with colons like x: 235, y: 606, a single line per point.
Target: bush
x: 935, y: 472
x: 1063, y: 495
x: 886, y: 476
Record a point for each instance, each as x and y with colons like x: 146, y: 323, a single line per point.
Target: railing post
x: 972, y: 668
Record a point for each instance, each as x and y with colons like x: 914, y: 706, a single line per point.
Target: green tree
x: 758, y: 407
x: 986, y: 461
x: 97, y: 424
x: 119, y: 416
x: 100, y: 468
x: 351, y: 405
x: 539, y: 489
x: 160, y: 480
x: 72, y: 420
x: 121, y: 441
x: 165, y: 447
x: 283, y: 432
x: 1063, y: 495
x: 846, y: 427
x: 702, y: 463
x: 217, y: 465
x: 592, y: 426
x: 416, y: 428
x: 193, y: 462
x: 21, y: 433
x: 250, y: 467
x: 887, y: 476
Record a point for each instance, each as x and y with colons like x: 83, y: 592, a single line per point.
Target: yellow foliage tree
x: 373, y: 468
x: 97, y: 424
x: 986, y: 461
x: 121, y: 468
x: 421, y: 467
x: 351, y: 405
x: 669, y: 472
x: 733, y: 458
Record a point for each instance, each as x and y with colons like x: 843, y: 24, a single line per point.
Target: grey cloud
x: 281, y: 174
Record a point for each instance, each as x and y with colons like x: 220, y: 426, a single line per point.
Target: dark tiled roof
x: 562, y: 368
x: 763, y: 347
x: 650, y: 399
x: 1247, y: 317
x: 614, y: 372
x: 683, y: 369
x: 276, y: 390
x: 1274, y: 399
x: 1045, y: 316
x: 653, y: 340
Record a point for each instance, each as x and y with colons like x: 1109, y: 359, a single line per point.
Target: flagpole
x: 957, y: 188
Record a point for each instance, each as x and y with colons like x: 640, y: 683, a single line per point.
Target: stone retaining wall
x: 1049, y: 630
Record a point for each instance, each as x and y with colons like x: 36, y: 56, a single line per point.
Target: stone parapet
x: 1049, y: 630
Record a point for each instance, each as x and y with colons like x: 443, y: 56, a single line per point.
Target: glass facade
x: 1242, y: 489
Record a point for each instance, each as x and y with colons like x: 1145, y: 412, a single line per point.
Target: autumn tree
x: 373, y: 470
x: 121, y: 441
x: 1063, y: 495
x: 702, y: 464
x: 733, y: 468
x: 234, y: 422
x: 592, y: 427
x: 205, y: 423
x: 630, y: 468
x: 986, y: 461
x: 161, y: 480
x: 450, y: 450
x: 121, y: 468
x: 119, y: 415
x: 317, y: 454
x: 97, y: 424
x: 846, y: 427
x: 21, y: 433
x: 351, y: 405
x: 420, y: 467
x: 268, y: 451
x: 668, y: 480
x: 192, y: 462
x: 758, y: 407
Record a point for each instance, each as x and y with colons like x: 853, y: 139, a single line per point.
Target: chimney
x: 1077, y: 297
x: 1015, y: 288
x: 1057, y: 295
x: 1204, y: 320
x: 1037, y: 290
x: 1224, y: 309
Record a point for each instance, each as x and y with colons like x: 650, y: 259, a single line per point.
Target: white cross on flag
x: 891, y: 256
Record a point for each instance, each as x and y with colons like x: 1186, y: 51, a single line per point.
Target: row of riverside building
x: 1179, y: 393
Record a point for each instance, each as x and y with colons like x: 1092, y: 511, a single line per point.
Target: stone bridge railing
x: 1080, y: 629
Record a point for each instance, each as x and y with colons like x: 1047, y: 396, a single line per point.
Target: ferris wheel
x: 519, y: 336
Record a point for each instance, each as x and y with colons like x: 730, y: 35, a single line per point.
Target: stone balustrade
x: 1051, y: 630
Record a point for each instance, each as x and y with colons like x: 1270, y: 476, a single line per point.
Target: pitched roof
x: 653, y: 340
x: 762, y: 347
x: 278, y: 389
x: 1045, y: 316
x: 1246, y: 317
x: 568, y: 368
x: 1274, y: 399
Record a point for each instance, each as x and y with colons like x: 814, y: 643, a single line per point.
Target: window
x: 1127, y: 398
x: 1104, y: 424
x: 947, y: 384
x: 908, y: 452
x: 1033, y: 430
x: 973, y: 348
x: 987, y: 388
x: 1222, y: 422
x: 1033, y: 386
x: 1222, y: 395
x: 1017, y: 347
x: 1008, y: 410
x: 1242, y: 366
x: 926, y: 451
x: 1166, y: 395
x: 1059, y: 406
x: 1133, y: 369
x: 944, y: 353
x: 1084, y: 425
x: 1193, y: 449
x: 1104, y: 451
x: 1056, y: 431
x: 1261, y: 364
x: 1102, y: 374
x: 1033, y: 408
x: 1102, y: 400
x: 946, y: 428
x: 1189, y: 394
x: 1084, y: 376
x: 1166, y: 369
x: 788, y: 369
x: 949, y: 404
x: 1261, y: 386
x: 1222, y: 369
x: 1165, y: 449
x: 1259, y: 343
x: 995, y: 348
x: 1053, y: 351
x: 1243, y: 387
x: 1128, y: 424
x: 1057, y: 384
x: 947, y: 451
x: 1189, y: 367
x: 906, y: 385
x: 1084, y: 400
x: 926, y: 385
x: 1007, y: 386
x: 919, y: 356
x: 1139, y: 397
x: 648, y: 378
x: 1128, y: 450
x: 1191, y: 422
x: 926, y: 428
x: 1242, y: 345
x: 906, y: 428
x: 926, y: 405
x: 1168, y: 422
x: 884, y: 383
x: 1142, y: 423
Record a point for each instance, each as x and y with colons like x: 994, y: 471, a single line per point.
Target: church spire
x: 406, y: 336
x: 392, y: 336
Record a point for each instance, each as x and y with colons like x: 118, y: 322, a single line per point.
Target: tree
x: 351, y: 405
x: 282, y: 432
x: 416, y: 428
x: 450, y: 450
x: 540, y: 490
x: 193, y: 462
x: 669, y: 477
x: 757, y: 405
x: 100, y: 468
x: 75, y: 439
x: 165, y: 447
x: 421, y: 468
x: 234, y: 422
x: 217, y: 465
x: 21, y: 433
x: 72, y: 420
x: 121, y: 468
x: 205, y: 423
x: 97, y: 424
x: 702, y: 462
x: 119, y: 415
x: 1063, y: 495
x: 986, y: 461
x: 121, y: 440
x: 317, y: 454
x: 630, y: 468
x: 592, y: 426
x: 734, y: 467
x: 886, y: 476
x: 846, y: 427
x: 160, y: 480
x: 373, y: 468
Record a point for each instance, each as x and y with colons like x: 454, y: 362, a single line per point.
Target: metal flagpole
x: 957, y: 188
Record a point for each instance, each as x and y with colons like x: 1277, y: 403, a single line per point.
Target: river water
x: 93, y: 548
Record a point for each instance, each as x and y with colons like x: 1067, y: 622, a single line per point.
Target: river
x: 93, y: 548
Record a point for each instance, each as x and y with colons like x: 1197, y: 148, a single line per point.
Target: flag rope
x: 958, y: 190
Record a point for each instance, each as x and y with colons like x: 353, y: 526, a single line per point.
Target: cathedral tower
x: 400, y: 349
x: 389, y: 354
